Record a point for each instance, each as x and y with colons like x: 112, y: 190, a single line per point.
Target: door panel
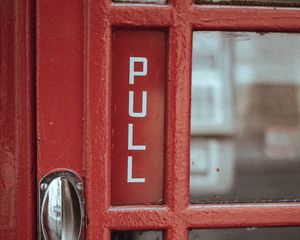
x: 60, y: 115
x: 74, y: 74
x: 138, y: 116
x: 17, y: 138
x: 60, y: 86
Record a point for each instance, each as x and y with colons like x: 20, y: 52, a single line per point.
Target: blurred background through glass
x: 245, y: 118
x: 274, y: 233
x: 137, y: 235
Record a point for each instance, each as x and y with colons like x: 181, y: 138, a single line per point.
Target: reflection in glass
x: 281, y: 3
x: 274, y: 233
x: 137, y: 235
x: 142, y: 1
x: 245, y: 117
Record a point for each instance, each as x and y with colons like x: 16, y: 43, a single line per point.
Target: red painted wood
x: 205, y: 216
x: 133, y: 218
x: 98, y: 36
x: 263, y: 19
x: 151, y: 16
x: 205, y: 17
x: 82, y: 33
x: 60, y: 86
x: 178, y: 112
x: 243, y: 215
x: 147, y: 130
x: 8, y: 123
x: 17, y: 147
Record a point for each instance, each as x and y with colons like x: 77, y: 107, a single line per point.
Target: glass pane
x: 142, y: 1
x: 274, y: 233
x: 280, y: 3
x: 245, y: 119
x: 137, y: 235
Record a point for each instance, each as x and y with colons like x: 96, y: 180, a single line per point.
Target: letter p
x: 132, y: 72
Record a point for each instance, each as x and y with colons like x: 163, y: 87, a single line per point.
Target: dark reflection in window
x: 142, y: 1
x: 269, y: 233
x: 279, y: 3
x: 245, y: 117
x: 137, y: 235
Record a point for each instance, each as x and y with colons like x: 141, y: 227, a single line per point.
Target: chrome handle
x: 61, y: 207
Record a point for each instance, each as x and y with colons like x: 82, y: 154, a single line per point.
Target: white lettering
x: 132, y: 113
x: 132, y: 72
x: 130, y: 179
x: 130, y: 140
x: 131, y: 105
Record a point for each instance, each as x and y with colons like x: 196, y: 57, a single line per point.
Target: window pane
x: 282, y: 3
x: 245, y: 117
x: 137, y: 235
x: 142, y: 1
x: 274, y: 233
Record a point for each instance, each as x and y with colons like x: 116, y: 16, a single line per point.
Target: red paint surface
x: 17, y: 140
x: 147, y: 131
x: 84, y: 32
x: 179, y: 17
x: 8, y: 141
x: 60, y: 86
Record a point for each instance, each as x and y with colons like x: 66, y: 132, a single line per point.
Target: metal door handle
x: 61, y: 206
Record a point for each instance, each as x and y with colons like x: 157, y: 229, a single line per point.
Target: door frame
x: 179, y: 18
x: 92, y: 49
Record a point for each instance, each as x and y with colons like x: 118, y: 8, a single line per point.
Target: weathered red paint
x: 264, y: 19
x: 17, y: 140
x: 60, y: 86
x: 180, y: 17
x: 89, y: 47
x: 205, y: 216
x: 148, y: 130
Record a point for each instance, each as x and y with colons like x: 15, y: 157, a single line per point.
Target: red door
x: 17, y: 121
x: 132, y: 155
